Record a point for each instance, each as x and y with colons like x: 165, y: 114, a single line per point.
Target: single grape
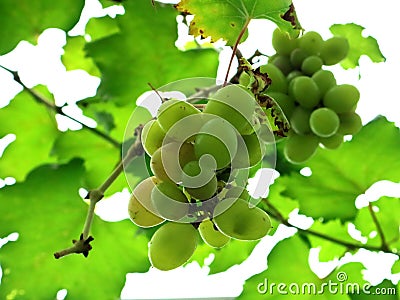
x: 332, y: 142
x: 140, y: 207
x: 300, y: 148
x: 284, y: 101
x: 211, y: 235
x: 334, y: 50
x: 282, y: 43
x: 234, y: 104
x: 350, y: 123
x: 199, y: 180
x: 241, y: 222
x: 152, y: 136
x: 218, y: 139
x: 283, y: 63
x: 279, y: 81
x: 306, y: 91
x: 325, y: 80
x: 172, y: 245
x: 311, y: 42
x: 169, y: 201
x: 324, y: 122
x: 172, y: 111
x: 300, y: 120
x: 311, y: 65
x: 341, y: 98
x: 297, y: 56
x: 292, y: 75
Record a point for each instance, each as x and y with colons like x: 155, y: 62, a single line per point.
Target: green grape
x: 334, y: 50
x: 324, y: 122
x: 199, y: 180
x: 300, y: 120
x: 279, y: 81
x: 284, y: 101
x: 211, y: 235
x: 252, y: 154
x: 241, y: 222
x: 152, y: 136
x: 297, y: 56
x: 325, y: 80
x: 167, y: 162
x: 140, y: 207
x: 244, y: 79
x: 234, y: 104
x: 332, y: 142
x: 217, y: 138
x: 283, y: 63
x: 305, y: 91
x: 341, y: 98
x: 311, y: 65
x: 282, y: 43
x: 292, y: 75
x: 299, y: 148
x: 350, y: 123
x: 311, y: 42
x: 172, y: 111
x: 172, y: 245
x: 169, y: 201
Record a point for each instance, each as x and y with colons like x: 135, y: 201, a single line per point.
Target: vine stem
x: 384, y: 244
x: 234, y: 49
x: 57, y: 109
x: 274, y: 213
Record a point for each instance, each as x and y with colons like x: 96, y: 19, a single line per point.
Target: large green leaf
x: 47, y: 213
x: 227, y: 18
x: 359, y: 44
x: 35, y: 129
x: 387, y: 214
x: 288, y: 267
x: 144, y: 52
x: 339, y: 176
x: 25, y: 19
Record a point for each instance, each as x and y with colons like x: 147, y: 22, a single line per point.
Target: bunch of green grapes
x: 319, y: 110
x: 200, y: 159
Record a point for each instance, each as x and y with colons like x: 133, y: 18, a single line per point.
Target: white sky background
x: 379, y: 95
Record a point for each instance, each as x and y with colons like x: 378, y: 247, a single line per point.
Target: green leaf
x: 227, y: 18
x: 288, y: 267
x: 387, y: 214
x: 330, y: 250
x: 131, y: 59
x: 35, y: 129
x: 396, y: 267
x: 359, y: 44
x: 98, y: 28
x: 47, y: 213
x: 26, y: 20
x: 339, y: 176
x: 74, y: 56
x: 234, y: 253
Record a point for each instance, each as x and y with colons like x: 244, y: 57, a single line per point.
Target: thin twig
x: 41, y: 99
x: 384, y: 244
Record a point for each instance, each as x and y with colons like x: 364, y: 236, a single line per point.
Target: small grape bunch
x: 319, y: 110
x: 200, y: 159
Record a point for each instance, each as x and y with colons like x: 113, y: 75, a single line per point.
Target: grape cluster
x: 200, y: 159
x: 319, y: 110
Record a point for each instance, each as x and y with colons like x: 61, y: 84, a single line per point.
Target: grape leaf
x: 235, y: 252
x: 227, y: 18
x: 396, y: 267
x: 129, y: 60
x: 288, y: 265
x: 47, y: 213
x: 339, y: 176
x: 25, y: 19
x: 98, y: 28
x: 388, y: 218
x: 359, y: 45
x: 35, y: 129
x: 74, y: 56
